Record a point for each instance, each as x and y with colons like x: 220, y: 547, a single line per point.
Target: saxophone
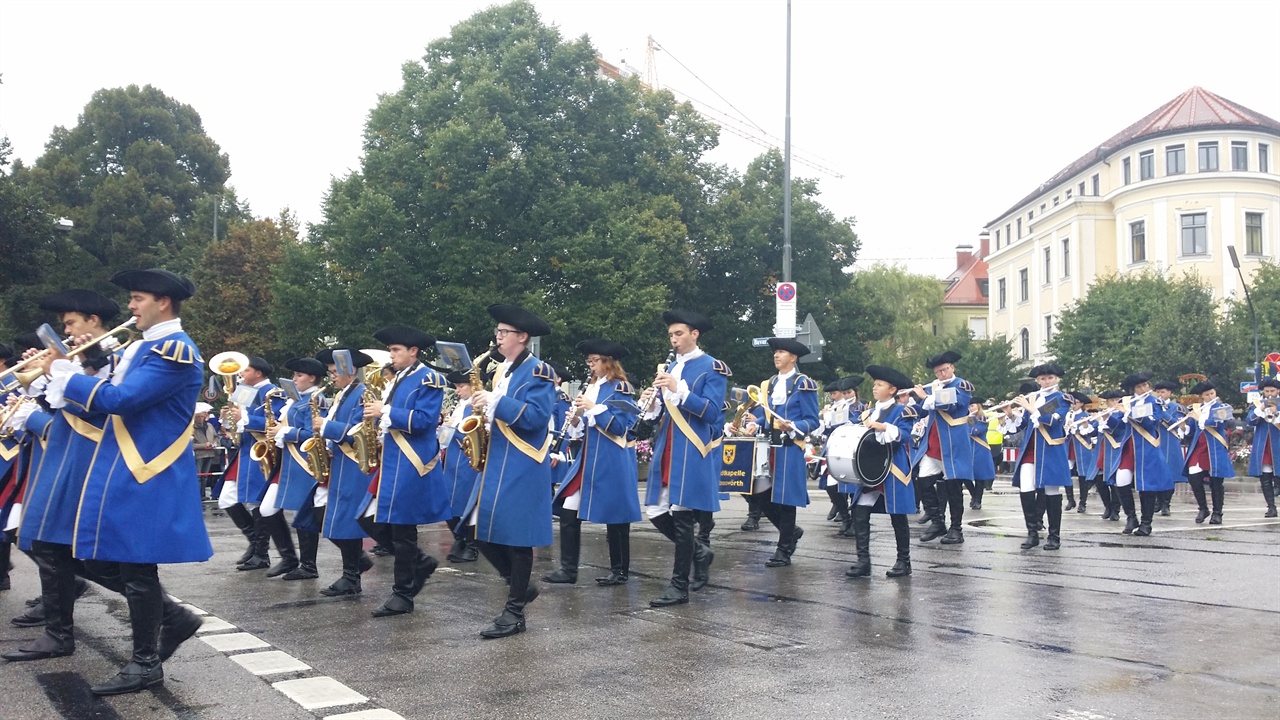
x: 744, y: 407
x: 319, y: 458
x: 366, y: 442
x: 264, y: 452
x: 475, y: 436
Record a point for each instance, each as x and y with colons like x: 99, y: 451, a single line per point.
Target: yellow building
x: 965, y: 291
x: 1171, y: 192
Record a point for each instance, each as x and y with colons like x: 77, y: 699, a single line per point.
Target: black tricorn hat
x: 949, y: 357
x: 791, y: 345
x: 1135, y: 380
x: 1111, y: 394
x: 28, y: 341
x: 1202, y: 386
x: 261, y: 365
x: 1081, y: 397
x: 520, y: 319
x: 81, y: 301
x: 887, y: 374
x: 6, y: 352
x: 561, y: 373
x: 358, y: 358
x: 157, y: 281
x: 1046, y: 369
x: 457, y: 378
x: 596, y: 346
x: 406, y: 336
x: 1167, y: 385
x: 1027, y: 387
x: 308, y: 365
x: 1269, y: 383
x: 694, y: 320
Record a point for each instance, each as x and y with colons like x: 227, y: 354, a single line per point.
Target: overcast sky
x: 939, y: 115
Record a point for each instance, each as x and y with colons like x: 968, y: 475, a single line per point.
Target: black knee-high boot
x: 570, y: 549
x: 955, y: 503
x: 1071, y: 498
x: 902, y: 537
x: 753, y: 514
x: 677, y: 591
x: 861, y: 515
x: 930, y: 487
x: 145, y: 597
x: 978, y: 488
x: 1268, y: 482
x: 261, y: 540
x: 619, y: 539
x: 6, y: 548
x: 706, y: 521
x: 278, y: 527
x: 666, y: 525
x: 1219, y: 495
x: 1084, y: 494
x: 1053, y: 507
x: 308, y: 549
x: 1107, y: 495
x: 1031, y: 518
x: 243, y: 520
x: 1196, y: 481
x: 349, y: 583
x: 1147, y: 507
x: 1130, y: 512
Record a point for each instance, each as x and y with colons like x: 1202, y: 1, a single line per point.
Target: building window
x: 1264, y: 153
x: 1025, y: 338
x: 984, y: 287
x: 1080, y: 188
x: 1146, y: 165
x: 997, y: 239
x: 1097, y: 185
x: 1138, y: 241
x: 1056, y: 200
x: 1128, y: 171
x: 1208, y: 156
x: 1031, y: 215
x: 1042, y: 206
x: 1239, y: 155
x: 1066, y: 257
x: 1048, y: 265
x: 1253, y: 233
x: 1195, y: 234
x: 1002, y: 297
x: 1048, y: 329
x: 1024, y: 285
x: 1008, y: 234
x: 978, y: 327
x: 1019, y: 228
x: 1069, y: 191
x: 1175, y: 159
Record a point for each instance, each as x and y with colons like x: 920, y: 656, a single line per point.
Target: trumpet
x: 228, y: 364
x: 744, y: 407
x: 651, y: 393
x: 127, y: 337
x: 7, y: 432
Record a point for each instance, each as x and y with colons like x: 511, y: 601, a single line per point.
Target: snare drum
x: 854, y: 456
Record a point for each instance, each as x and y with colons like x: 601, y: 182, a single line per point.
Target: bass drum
x: 854, y: 456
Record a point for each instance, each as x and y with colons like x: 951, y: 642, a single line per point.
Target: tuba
x: 319, y: 458
x: 264, y: 452
x: 366, y: 442
x: 475, y: 436
x: 744, y: 407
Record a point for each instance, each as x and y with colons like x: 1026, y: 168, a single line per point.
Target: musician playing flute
x: 788, y: 411
x: 1207, y: 455
x: 1082, y: 452
x: 1150, y: 469
x: 945, y: 455
x: 1041, y: 471
x: 891, y: 422
x: 1171, y: 434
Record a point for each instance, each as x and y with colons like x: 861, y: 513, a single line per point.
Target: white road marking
x: 270, y: 662
x: 378, y: 714
x: 319, y: 692
x: 234, y: 641
x: 215, y: 624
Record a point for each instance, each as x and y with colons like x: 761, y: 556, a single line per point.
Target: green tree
x: 31, y: 249
x: 914, y: 304
x: 131, y: 174
x: 987, y: 363
x: 1264, y: 290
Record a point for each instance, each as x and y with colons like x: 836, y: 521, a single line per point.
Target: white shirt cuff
x: 55, y: 390
x: 243, y: 422
x: 928, y: 402
x: 888, y: 435
x: 384, y: 422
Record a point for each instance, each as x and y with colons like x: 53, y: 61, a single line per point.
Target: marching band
x: 95, y: 440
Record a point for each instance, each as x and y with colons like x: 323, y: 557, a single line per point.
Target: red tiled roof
x: 965, y: 284
x: 1194, y: 109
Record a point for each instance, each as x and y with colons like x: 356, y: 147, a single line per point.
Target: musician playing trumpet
x: 1040, y: 470
x: 1207, y: 456
x: 1265, y: 420
x: 293, y: 487
x: 892, y: 423
x: 1171, y: 434
x: 788, y: 412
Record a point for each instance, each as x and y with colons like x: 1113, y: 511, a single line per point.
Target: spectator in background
x: 204, y: 438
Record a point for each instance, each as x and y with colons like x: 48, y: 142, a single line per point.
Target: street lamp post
x: 1257, y: 356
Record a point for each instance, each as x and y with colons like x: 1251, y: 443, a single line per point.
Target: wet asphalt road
x: 1183, y: 624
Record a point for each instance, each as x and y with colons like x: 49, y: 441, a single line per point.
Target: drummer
x: 890, y: 424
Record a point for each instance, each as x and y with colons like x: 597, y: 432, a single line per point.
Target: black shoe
x: 423, y: 571
x: 613, y: 578
x: 381, y: 551
x: 33, y: 617
x: 752, y: 523
x: 505, y: 625
x: 862, y: 568
x: 366, y: 563
x: 1164, y: 511
x: 43, y: 648
x: 302, y: 572
x: 1053, y: 543
x: 560, y: 576
x: 342, y: 587
x: 702, y: 559
x: 174, y: 631
x: 1033, y: 539
x: 780, y: 559
x: 1080, y: 508
x: 671, y: 596
x: 923, y: 519
x: 32, y: 602
x: 1071, y: 504
x: 257, y: 562
x: 466, y: 554
x: 832, y: 515
x: 395, y: 605
x: 285, y: 566
x: 1144, y: 529
x: 1271, y: 512
x: 899, y: 569
x: 954, y: 536
x: 131, y: 678
x: 1215, y: 519
x: 1200, y: 516
x: 936, y: 531
x: 1129, y: 526
x: 246, y: 557
x: 795, y: 538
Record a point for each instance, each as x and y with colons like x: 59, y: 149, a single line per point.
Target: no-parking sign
x: 785, y: 317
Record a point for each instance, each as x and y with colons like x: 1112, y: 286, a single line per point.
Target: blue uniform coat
x: 1049, y: 435
x: 512, y: 497
x: 790, y: 481
x: 951, y: 421
x: 1115, y: 435
x: 411, y: 488
x: 1215, y: 433
x: 1265, y: 435
x: 348, y: 487
x: 251, y: 484
x: 459, y: 476
x: 690, y: 434
x: 140, y: 502
x: 1170, y: 443
x: 899, y: 495
x: 610, y: 486
x: 1085, y: 445
x: 1150, y: 463
x: 984, y: 466
x: 53, y: 490
x: 295, y: 474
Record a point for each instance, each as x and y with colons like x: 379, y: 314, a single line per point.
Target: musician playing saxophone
x: 293, y: 489
x: 246, y: 484
x: 788, y: 412
x: 458, y: 473
x: 410, y: 489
